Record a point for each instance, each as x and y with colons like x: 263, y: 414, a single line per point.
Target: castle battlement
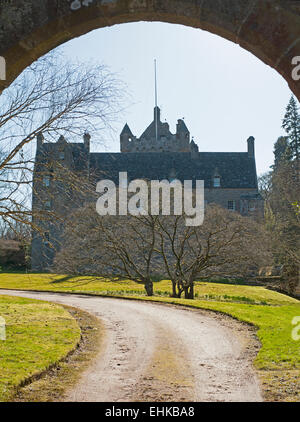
x: 158, y: 138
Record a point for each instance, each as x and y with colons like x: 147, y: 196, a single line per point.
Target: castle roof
x: 76, y: 151
x: 237, y: 170
x: 162, y: 130
x: 126, y: 130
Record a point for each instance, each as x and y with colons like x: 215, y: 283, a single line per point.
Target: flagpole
x: 156, y: 114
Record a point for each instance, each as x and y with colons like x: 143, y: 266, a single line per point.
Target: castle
x: 230, y: 178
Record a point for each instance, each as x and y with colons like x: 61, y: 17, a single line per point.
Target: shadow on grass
x: 233, y: 281
x: 62, y: 279
x: 83, y: 280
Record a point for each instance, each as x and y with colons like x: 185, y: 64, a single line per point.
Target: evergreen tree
x: 282, y: 152
x: 291, y: 124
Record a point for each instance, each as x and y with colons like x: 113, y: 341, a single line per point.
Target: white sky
x: 224, y: 93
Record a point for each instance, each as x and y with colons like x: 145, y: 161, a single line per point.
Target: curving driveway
x: 154, y: 352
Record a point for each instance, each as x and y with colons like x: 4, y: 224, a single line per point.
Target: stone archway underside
x: 270, y: 29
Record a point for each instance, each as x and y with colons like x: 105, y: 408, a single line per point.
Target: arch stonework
x: 270, y: 29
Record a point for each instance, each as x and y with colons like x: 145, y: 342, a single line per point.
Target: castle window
x: 48, y: 205
x: 61, y: 155
x: 46, y: 181
x: 251, y: 206
x: 232, y: 205
x: 172, y: 175
x: 46, y: 238
x: 217, y: 182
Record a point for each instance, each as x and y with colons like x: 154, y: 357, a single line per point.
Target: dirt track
x: 162, y: 353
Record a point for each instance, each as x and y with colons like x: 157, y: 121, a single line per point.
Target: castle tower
x: 158, y: 138
x: 125, y: 138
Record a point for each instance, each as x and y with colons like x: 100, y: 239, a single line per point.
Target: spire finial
x: 155, y: 74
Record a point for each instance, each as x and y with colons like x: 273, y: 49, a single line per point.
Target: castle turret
x: 183, y: 134
x: 194, y: 149
x: 125, y: 137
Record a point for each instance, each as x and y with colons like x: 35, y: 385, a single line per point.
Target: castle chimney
x: 87, y: 140
x: 251, y: 146
x: 61, y: 140
x: 40, y: 140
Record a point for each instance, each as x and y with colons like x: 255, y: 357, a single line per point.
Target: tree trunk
x: 149, y: 287
x: 177, y: 289
x: 189, y: 291
x: 180, y: 291
x: 174, y: 289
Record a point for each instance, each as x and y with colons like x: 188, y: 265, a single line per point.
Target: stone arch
x: 270, y: 29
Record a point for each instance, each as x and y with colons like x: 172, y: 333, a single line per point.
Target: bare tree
x: 145, y: 248
x: 53, y: 97
x: 114, y: 247
x: 265, y: 186
x: 226, y: 244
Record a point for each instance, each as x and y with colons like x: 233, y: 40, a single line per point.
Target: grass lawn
x: 278, y: 361
x: 38, y: 334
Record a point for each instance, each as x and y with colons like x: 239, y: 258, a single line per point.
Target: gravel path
x: 154, y: 352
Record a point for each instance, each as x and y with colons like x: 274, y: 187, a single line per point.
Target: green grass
x: 269, y: 311
x: 38, y: 334
x: 216, y: 291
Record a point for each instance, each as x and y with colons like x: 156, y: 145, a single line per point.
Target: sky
x: 224, y: 93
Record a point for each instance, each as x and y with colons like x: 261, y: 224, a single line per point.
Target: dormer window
x: 46, y: 181
x: 217, y: 182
